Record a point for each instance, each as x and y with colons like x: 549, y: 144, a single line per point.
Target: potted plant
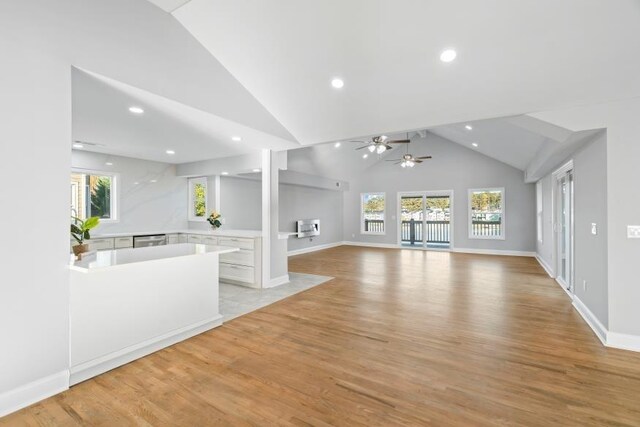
x: 215, y: 220
x: 80, y: 232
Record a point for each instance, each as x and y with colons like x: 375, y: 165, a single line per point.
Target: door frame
x: 424, y: 195
x: 555, y: 212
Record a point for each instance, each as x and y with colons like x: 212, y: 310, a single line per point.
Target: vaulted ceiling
x: 514, y: 57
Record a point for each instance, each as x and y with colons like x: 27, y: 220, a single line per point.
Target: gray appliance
x: 149, y: 240
x: 308, y: 228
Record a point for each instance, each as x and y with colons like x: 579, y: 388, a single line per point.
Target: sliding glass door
x: 564, y: 228
x: 425, y: 219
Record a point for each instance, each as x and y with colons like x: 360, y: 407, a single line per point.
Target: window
x: 486, y: 213
x: 93, y: 194
x: 197, y: 199
x: 539, y: 210
x: 372, y: 210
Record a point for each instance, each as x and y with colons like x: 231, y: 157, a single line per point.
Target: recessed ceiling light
x: 154, y: 180
x: 364, y: 156
x: 475, y: 144
x: 468, y: 127
x: 224, y: 173
x: 170, y: 152
x: 448, y: 55
x: 337, y: 145
x: 136, y: 183
x: 136, y: 110
x: 337, y: 83
x: 78, y: 145
x: 109, y: 164
x: 236, y: 138
x: 256, y: 170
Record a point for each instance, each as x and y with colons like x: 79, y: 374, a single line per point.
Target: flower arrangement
x: 214, y: 220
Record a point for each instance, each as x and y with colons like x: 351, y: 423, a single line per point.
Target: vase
x: 80, y: 249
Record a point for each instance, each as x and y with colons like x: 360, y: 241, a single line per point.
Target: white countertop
x: 249, y: 234
x: 114, y: 257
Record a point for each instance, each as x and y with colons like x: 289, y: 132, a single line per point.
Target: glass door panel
x: 438, y: 221
x: 411, y: 220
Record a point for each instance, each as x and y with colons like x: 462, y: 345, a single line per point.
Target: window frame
x: 114, y: 197
x: 503, y: 219
x: 539, y: 212
x: 384, y: 213
x: 191, y: 183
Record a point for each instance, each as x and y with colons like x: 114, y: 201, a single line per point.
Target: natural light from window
x: 486, y: 213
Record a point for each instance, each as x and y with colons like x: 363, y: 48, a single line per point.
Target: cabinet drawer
x: 208, y: 240
x: 242, y: 257
x: 123, y: 242
x: 194, y: 238
x: 236, y: 242
x: 238, y: 273
x: 183, y: 238
x: 173, y: 239
x: 100, y: 244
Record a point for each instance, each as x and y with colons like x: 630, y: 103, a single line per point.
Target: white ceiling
x: 514, y: 57
x: 497, y: 138
x: 169, y: 5
x: 101, y: 115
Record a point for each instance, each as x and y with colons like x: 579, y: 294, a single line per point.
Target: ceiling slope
x: 513, y: 58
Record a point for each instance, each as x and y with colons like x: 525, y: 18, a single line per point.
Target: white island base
x: 127, y: 303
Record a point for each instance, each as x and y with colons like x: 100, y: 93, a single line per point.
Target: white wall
x: 241, y: 203
x: 456, y: 168
x: 142, y: 205
x: 544, y: 249
x: 131, y: 41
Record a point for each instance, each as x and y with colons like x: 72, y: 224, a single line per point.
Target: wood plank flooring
x: 397, y: 338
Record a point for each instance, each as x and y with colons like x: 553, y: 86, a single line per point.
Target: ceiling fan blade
x: 417, y: 161
x: 424, y: 157
x: 364, y: 142
x: 399, y: 141
x: 364, y: 146
x: 394, y: 160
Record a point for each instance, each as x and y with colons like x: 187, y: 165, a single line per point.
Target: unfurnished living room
x: 320, y: 213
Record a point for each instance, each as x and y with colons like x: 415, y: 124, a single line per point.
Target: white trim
x: 35, y: 391
x: 563, y: 169
x: 266, y: 217
x: 190, y: 183
x: 623, y: 341
x: 544, y: 265
x: 110, y: 361
x: 591, y: 319
x: 314, y: 248
x: 372, y: 245
x: 384, y: 214
x: 493, y: 252
x: 277, y: 281
x: 503, y: 214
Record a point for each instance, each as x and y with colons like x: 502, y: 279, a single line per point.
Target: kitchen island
x: 127, y: 303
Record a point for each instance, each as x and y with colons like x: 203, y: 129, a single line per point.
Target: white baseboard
x: 591, y: 319
x: 544, y: 265
x: 314, y: 248
x: 372, y: 245
x: 493, y: 252
x: 623, y: 341
x: 33, y: 392
x: 277, y: 281
x: 110, y: 361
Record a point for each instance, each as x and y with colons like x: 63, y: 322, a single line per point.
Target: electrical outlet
x: 594, y: 228
x: 584, y: 285
x: 633, y: 231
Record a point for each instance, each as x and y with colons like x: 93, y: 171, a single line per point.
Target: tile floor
x: 238, y: 300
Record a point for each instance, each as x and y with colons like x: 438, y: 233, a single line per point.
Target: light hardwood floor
x: 397, y: 338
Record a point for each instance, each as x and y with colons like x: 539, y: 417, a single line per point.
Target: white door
x: 425, y: 219
x: 564, y: 229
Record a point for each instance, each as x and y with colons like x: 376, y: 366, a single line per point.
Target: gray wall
x: 241, y: 203
x: 456, y: 168
x: 590, y: 198
x: 298, y: 202
x: 145, y: 206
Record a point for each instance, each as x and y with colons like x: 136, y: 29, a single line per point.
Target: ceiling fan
x: 408, y: 160
x: 380, y: 144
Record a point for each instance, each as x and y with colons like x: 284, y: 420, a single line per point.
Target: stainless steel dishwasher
x: 150, y: 240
